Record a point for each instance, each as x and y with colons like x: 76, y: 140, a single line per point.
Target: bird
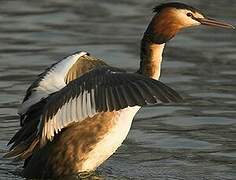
x: 77, y: 113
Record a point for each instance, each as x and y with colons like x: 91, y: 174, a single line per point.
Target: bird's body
x: 81, y: 139
x: 80, y: 110
x: 101, y: 135
x: 82, y: 146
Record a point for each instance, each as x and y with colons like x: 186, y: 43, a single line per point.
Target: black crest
x: 176, y: 5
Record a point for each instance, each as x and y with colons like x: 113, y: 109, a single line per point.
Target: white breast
x: 112, y: 140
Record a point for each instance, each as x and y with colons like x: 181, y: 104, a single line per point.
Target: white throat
x: 156, y: 59
x: 151, y: 58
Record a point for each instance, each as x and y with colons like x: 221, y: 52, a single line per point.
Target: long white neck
x: 151, y: 58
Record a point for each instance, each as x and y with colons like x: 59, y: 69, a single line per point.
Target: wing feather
x: 111, y: 98
x: 52, y: 80
x: 53, y: 102
x: 93, y: 104
x: 100, y: 90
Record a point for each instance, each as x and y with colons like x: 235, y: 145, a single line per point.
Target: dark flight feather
x: 114, y: 89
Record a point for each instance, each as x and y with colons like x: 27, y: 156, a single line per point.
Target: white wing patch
x: 99, y: 91
x: 75, y: 110
x: 53, y: 81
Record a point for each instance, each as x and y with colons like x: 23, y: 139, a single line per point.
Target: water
x: 195, y: 140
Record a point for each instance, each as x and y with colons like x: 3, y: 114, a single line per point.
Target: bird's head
x: 170, y: 18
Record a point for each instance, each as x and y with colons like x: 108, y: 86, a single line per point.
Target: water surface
x: 195, y: 140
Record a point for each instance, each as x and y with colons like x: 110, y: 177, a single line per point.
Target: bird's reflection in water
x: 92, y: 175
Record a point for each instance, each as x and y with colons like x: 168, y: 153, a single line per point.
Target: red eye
x: 189, y: 14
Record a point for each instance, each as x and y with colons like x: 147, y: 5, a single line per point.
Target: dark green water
x: 191, y: 141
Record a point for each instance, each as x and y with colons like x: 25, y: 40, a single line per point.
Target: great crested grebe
x: 79, y: 111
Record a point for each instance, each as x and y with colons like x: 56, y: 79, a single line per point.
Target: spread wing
x: 81, y: 93
x: 50, y: 81
x: 100, y: 90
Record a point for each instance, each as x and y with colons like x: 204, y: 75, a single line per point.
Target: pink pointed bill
x: 215, y: 23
